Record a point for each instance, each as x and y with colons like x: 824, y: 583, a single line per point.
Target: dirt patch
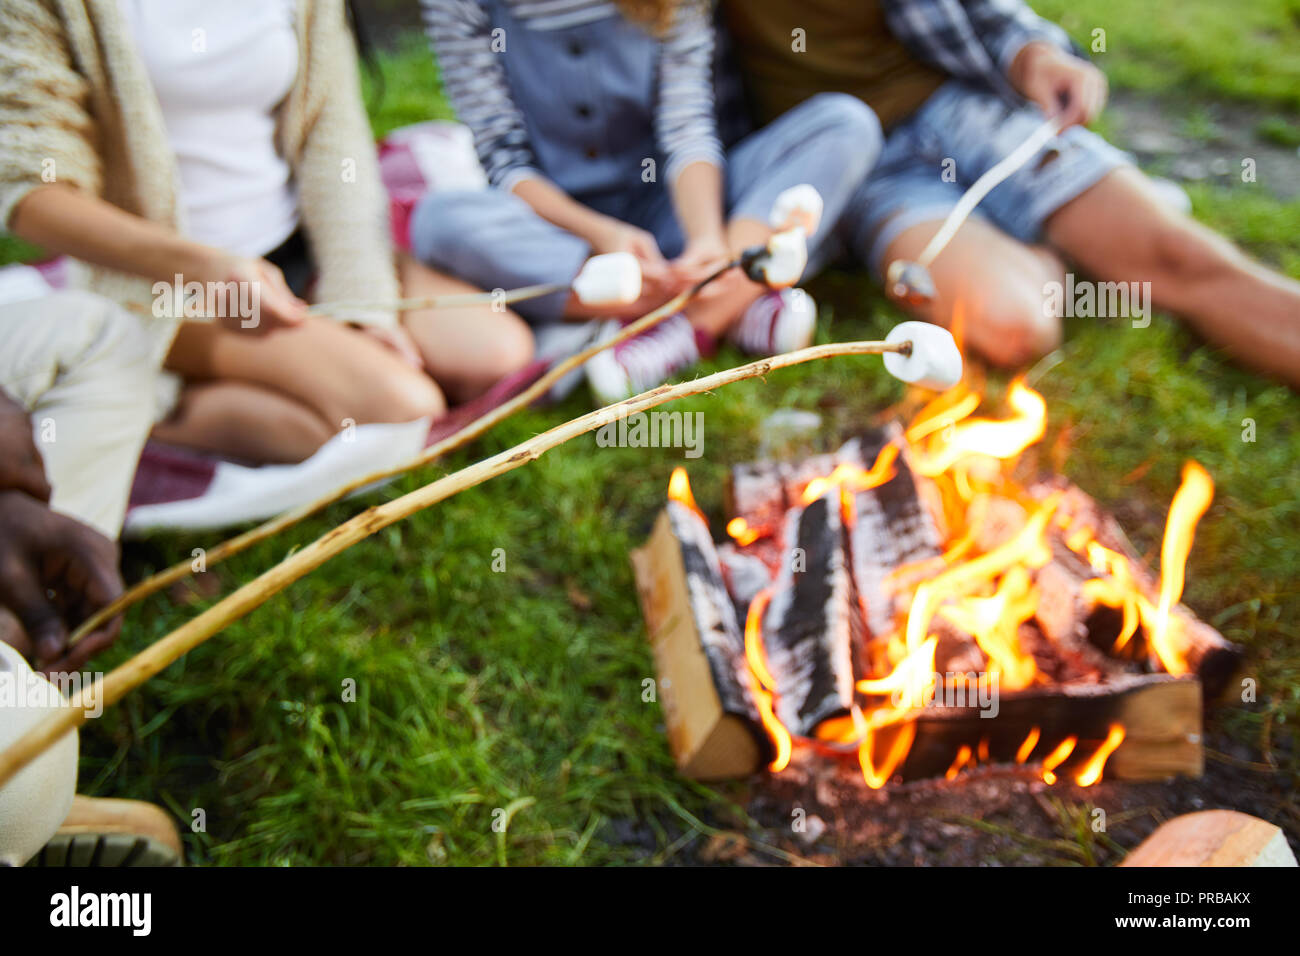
x: 1204, y: 142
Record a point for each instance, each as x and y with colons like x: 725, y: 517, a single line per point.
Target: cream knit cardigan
x: 77, y: 107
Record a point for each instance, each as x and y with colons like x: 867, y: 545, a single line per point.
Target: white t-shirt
x: 220, y: 68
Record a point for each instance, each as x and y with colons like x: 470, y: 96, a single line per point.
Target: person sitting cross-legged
x: 958, y: 84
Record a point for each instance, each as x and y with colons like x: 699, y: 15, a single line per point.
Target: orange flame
x: 980, y: 436
x: 1028, y: 547
x: 851, y: 478
x: 1058, y: 757
x: 994, y: 621
x: 1091, y: 771
x: 1190, y: 502
x: 762, y: 682
x: 742, y: 533
x: 962, y: 758
x: 679, y: 490
x: 1028, y: 745
x: 877, y: 774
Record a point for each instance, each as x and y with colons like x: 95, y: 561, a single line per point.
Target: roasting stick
x: 455, y: 300
x: 485, y: 422
x: 117, y: 683
x: 911, y: 281
x: 782, y: 261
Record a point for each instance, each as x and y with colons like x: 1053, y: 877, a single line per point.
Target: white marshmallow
x: 786, y: 258
x: 935, y: 362
x: 36, y: 800
x: 799, y: 206
x: 613, y: 278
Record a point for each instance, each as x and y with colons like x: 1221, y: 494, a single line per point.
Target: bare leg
x: 467, y: 350
x: 335, y: 373
x: 1120, y: 231
x: 990, y: 290
x: 244, y: 421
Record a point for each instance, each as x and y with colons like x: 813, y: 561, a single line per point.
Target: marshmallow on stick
x: 935, y: 360
x: 613, y: 278
x: 796, y: 214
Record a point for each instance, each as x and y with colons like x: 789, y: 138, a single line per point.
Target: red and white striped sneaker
x: 643, y: 361
x: 778, y: 321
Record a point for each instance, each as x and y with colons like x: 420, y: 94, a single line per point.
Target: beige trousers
x: 82, y: 366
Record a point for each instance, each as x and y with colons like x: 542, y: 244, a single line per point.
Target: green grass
x: 1244, y: 51
x: 485, y: 696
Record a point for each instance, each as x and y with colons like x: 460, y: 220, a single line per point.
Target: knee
x: 511, y: 349
x: 393, y: 394
x: 406, y: 397
x: 852, y: 124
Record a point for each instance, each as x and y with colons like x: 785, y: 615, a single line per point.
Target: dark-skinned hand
x: 21, y: 466
x: 54, y: 573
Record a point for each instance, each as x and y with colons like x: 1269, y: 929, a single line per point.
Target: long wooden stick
x: 120, y: 681
x: 490, y: 419
x: 452, y: 300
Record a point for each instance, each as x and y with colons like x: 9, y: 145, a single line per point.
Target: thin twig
x: 118, y: 682
x: 490, y: 419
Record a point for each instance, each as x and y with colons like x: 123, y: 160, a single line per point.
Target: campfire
x: 910, y: 603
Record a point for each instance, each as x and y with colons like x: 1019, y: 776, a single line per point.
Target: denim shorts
x: 960, y: 132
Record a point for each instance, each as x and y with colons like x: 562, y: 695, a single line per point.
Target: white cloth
x: 220, y: 68
x: 82, y: 366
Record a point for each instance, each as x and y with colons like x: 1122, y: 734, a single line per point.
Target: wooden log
x: 806, y: 630
x: 1161, y: 716
x: 1214, y: 838
x: 1209, y: 655
x: 895, y: 528
x: 745, y: 574
x: 714, y: 728
x: 1081, y: 631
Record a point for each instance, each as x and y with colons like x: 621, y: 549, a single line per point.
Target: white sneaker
x: 643, y: 361
x: 778, y: 321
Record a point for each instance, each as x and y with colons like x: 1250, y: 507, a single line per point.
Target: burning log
x: 745, y: 575
x: 714, y: 726
x: 807, y: 630
x: 1201, y: 649
x: 1160, y: 717
x: 894, y: 530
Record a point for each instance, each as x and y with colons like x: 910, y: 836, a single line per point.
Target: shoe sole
x: 104, y: 850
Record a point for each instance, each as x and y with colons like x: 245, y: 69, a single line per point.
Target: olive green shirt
x: 790, y: 50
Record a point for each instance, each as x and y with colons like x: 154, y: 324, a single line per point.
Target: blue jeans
x: 494, y: 240
x: 931, y: 158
